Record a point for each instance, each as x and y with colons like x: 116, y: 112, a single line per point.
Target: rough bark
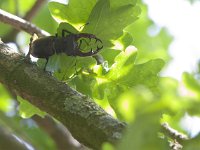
x: 87, y: 122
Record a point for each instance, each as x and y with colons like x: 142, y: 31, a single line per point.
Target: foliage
x: 30, y: 133
x: 32, y: 110
x: 127, y: 84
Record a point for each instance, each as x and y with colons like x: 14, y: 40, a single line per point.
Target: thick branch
x: 87, y: 122
x: 21, y: 24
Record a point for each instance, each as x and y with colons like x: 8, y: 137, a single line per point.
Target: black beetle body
x: 48, y: 46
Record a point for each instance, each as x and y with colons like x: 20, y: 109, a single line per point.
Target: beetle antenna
x: 81, y: 27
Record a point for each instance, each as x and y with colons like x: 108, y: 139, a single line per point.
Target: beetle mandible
x: 68, y: 44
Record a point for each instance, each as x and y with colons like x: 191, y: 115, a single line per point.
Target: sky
x: 182, y: 19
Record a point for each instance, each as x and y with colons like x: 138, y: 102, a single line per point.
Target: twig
x: 173, y: 133
x: 10, y: 36
x: 32, y: 12
x: 21, y: 24
x: 58, y: 133
x: 9, y: 142
x: 175, y: 136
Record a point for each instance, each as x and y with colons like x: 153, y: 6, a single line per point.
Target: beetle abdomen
x: 43, y: 47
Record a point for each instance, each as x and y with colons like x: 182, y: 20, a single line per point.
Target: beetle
x: 68, y: 44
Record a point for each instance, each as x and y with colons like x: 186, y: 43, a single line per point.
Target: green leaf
x: 119, y: 3
x: 27, y: 110
x: 126, y: 39
x: 123, y: 63
x: 100, y: 17
x: 191, y: 83
x: 62, y: 65
x: 142, y: 30
x: 48, y: 23
x: 5, y: 100
x: 192, y: 144
x: 84, y: 83
x: 76, y: 12
x: 125, y: 75
x: 66, y: 26
x: 125, y: 72
x: 26, y: 130
x: 108, y: 24
x: 65, y: 67
x: 142, y: 134
x: 107, y: 146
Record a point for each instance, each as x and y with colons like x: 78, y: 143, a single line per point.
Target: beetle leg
x: 86, y: 35
x: 65, y: 31
x: 47, y: 59
x: 81, y: 27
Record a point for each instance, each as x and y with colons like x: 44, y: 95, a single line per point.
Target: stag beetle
x: 68, y: 44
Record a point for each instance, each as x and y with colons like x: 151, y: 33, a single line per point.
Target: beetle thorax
x: 66, y: 45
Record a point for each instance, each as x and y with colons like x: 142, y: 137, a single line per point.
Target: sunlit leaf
x: 142, y: 134
x: 5, y: 100
x: 27, y: 110
x: 76, y: 12
x: 107, y: 146
x: 191, y: 83
x: 119, y: 3
x: 108, y: 24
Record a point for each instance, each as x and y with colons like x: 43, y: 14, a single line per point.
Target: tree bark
x: 87, y: 122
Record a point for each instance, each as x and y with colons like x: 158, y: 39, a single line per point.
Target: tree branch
x: 21, y: 24
x: 11, y: 35
x: 87, y: 122
x: 32, y: 12
x: 9, y: 142
x: 61, y: 136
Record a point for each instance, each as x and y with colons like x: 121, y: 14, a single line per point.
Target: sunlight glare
x: 181, y: 19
